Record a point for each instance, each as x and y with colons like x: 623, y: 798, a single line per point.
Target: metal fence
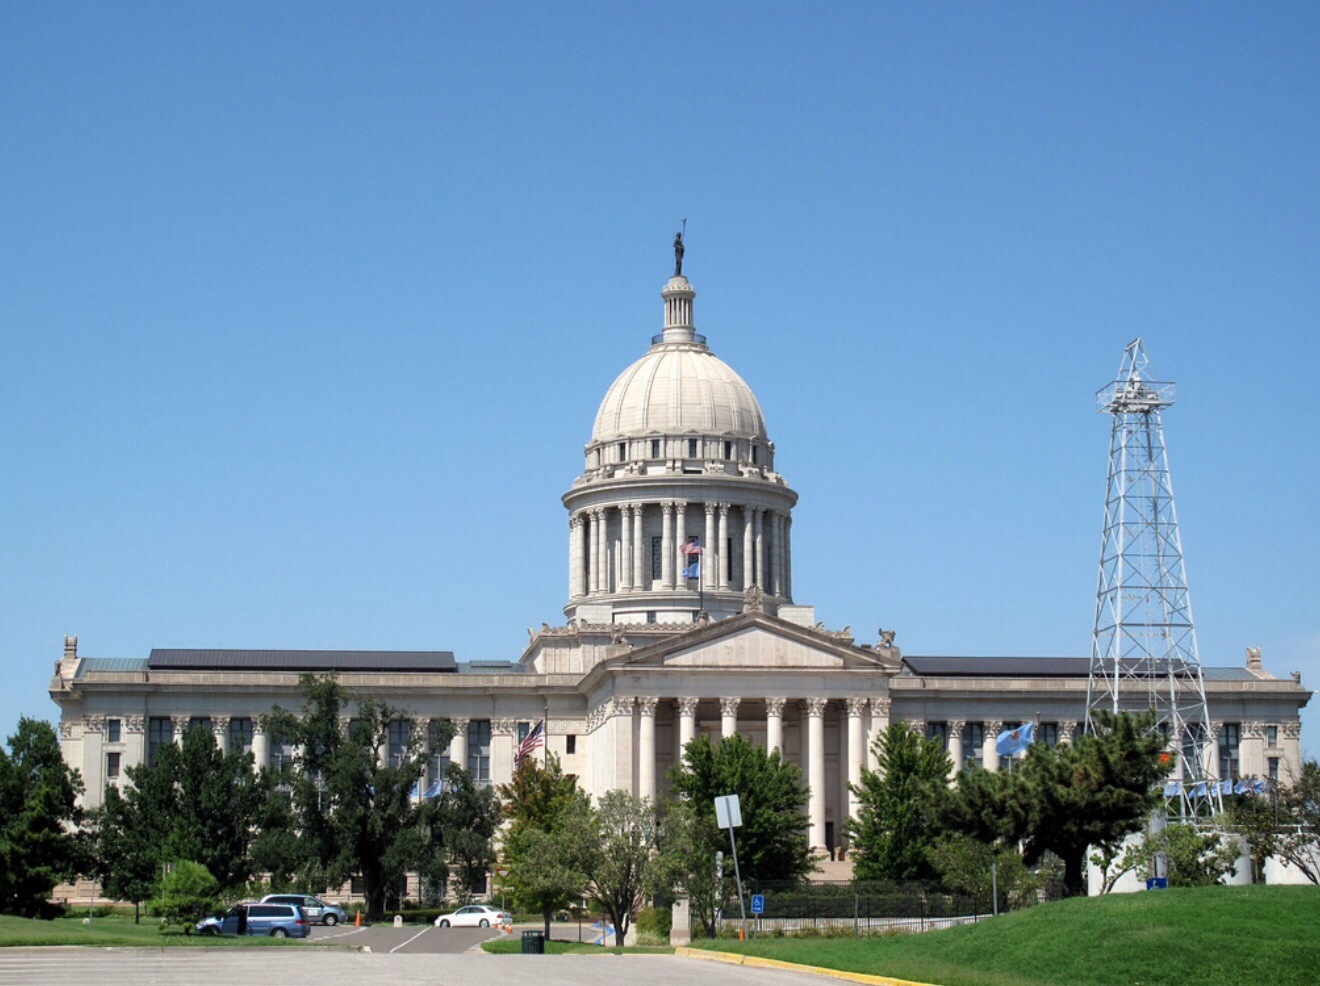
x: 861, y: 907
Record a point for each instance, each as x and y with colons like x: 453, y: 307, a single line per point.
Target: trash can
x: 533, y: 943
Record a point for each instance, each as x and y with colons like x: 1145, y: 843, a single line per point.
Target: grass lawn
x: 117, y: 930
x: 1213, y: 936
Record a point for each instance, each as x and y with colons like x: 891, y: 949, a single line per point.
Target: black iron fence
x: 856, y: 907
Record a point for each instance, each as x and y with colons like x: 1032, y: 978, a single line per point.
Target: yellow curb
x: 737, y: 958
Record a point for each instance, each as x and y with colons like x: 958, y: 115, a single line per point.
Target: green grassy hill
x: 1214, y: 936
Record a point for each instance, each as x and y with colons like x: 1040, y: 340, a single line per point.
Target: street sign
x: 728, y: 814
x: 758, y: 903
x: 1157, y: 883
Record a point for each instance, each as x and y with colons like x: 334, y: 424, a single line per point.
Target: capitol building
x: 681, y: 618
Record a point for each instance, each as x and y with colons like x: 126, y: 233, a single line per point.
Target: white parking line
x: 410, y: 940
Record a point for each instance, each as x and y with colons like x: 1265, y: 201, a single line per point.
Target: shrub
x: 187, y: 893
x: 655, y: 921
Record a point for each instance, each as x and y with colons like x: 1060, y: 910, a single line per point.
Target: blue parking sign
x: 758, y: 903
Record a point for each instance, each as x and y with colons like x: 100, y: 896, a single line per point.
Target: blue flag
x: 1173, y: 789
x: 1013, y: 741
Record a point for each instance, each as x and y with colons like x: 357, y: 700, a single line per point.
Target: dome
x: 678, y: 389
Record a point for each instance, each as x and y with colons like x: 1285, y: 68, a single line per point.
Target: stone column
x: 955, y: 745
x: 501, y: 751
x: 646, y: 747
x: 749, y: 547
x: 776, y: 553
x: 93, y: 759
x: 667, y: 545
x: 729, y: 716
x: 458, y: 746
x: 575, y: 568
x: 591, y: 567
x: 814, y: 708
x: 135, y: 741
x: 710, y: 553
x: 179, y: 726
x: 625, y: 550
x: 758, y: 519
x: 1066, y: 731
x: 722, y: 564
x: 1290, y: 746
x: 1252, y: 763
x: 774, y: 725
x: 604, y: 560
x: 680, y: 537
x: 641, y: 552
x: 220, y: 727
x: 856, y: 750
x: 619, y: 723
x: 687, y: 723
x: 260, y: 745
x: 788, y: 556
x: 989, y: 755
x: 880, y: 708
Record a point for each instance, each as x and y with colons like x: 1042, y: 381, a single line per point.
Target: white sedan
x: 473, y: 916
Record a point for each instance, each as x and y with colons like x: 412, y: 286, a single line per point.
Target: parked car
x: 473, y: 916
x: 318, y: 911
x: 276, y: 920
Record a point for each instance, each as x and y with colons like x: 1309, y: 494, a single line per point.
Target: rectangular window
x: 479, y: 751
x: 570, y: 743
x: 438, y: 762
x: 399, y: 736
x: 623, y: 451
x: 939, y: 731
x: 240, y: 735
x: 756, y: 455
x: 974, y: 743
x: 160, y: 731
x: 692, y: 448
x: 650, y: 616
x: 655, y: 448
x: 1048, y: 733
x: 199, y: 722
x: 112, y: 731
x: 656, y: 556
x: 1272, y: 735
x: 728, y: 450
x: 1230, y: 735
x: 281, y: 752
x: 112, y: 766
x: 1274, y: 770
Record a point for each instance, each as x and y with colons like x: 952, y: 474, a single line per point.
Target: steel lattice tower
x: 1143, y: 653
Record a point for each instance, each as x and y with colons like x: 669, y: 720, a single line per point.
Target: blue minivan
x: 275, y: 920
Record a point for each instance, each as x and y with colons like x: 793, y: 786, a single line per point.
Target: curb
x: 755, y: 961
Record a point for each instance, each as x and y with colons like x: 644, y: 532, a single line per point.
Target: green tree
x: 968, y: 866
x: 685, y: 864
x: 188, y: 892
x: 39, y: 818
x: 1284, y: 822
x: 1063, y: 799
x: 549, y: 838
x: 1191, y: 858
x: 467, y: 818
x: 772, y: 842
x: 899, y: 807
x: 127, y: 850
x: 621, y: 856
x: 353, y: 808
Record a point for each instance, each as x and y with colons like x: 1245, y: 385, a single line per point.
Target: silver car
x: 317, y: 910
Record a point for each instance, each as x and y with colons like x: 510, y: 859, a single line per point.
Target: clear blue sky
x: 306, y: 309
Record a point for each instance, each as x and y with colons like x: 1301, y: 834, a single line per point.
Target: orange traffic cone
x: 357, y: 921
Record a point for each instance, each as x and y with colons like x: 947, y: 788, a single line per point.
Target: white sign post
x: 728, y: 815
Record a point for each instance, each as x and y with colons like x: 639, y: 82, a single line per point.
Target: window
x: 240, y: 735
x: 656, y: 556
x: 728, y: 450
x: 655, y: 448
x: 479, y: 751
x: 1048, y: 733
x: 159, y: 731
x: 756, y: 455
x: 974, y: 743
x: 692, y: 448
x: 1274, y: 770
x: 1230, y: 734
x: 112, y: 730
x: 650, y: 616
x: 570, y: 743
x: 1006, y: 763
x: 438, y: 762
x: 112, y: 766
x: 623, y: 451
x: 398, y: 741
x: 281, y: 752
x: 520, y: 732
x: 939, y: 731
x: 199, y: 722
x: 1272, y: 735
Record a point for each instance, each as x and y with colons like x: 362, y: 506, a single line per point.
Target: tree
x: 772, y: 842
x: 899, y: 806
x: 685, y: 863
x: 467, y: 816
x: 39, y: 818
x: 1191, y: 858
x: 127, y: 850
x: 1064, y: 799
x: 353, y: 808
x: 620, y: 856
x: 188, y: 892
x: 964, y: 865
x: 549, y: 838
x: 1285, y: 822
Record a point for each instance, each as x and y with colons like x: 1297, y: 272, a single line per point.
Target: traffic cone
x: 357, y: 921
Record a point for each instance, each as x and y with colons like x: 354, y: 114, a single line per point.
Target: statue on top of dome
x: 678, y: 250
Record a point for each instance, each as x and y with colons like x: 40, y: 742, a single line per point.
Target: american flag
x: 690, y: 548
x: 533, y: 740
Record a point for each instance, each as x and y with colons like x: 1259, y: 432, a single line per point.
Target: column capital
x: 134, y: 724
x: 502, y: 727
x: 622, y: 705
x: 574, y: 521
x: 710, y: 509
x: 729, y: 706
x: 1066, y: 731
x: 220, y: 725
x: 916, y: 725
x: 814, y: 707
x: 856, y: 706
x: 461, y: 724
x: 92, y: 724
x: 881, y: 706
x: 345, y: 724
x: 180, y: 724
x: 955, y: 728
x: 646, y: 705
x: 687, y: 706
x: 1291, y: 730
x: 723, y: 508
x: 775, y: 706
x: 667, y: 507
x: 1255, y: 730
x: 993, y: 727
x: 259, y: 725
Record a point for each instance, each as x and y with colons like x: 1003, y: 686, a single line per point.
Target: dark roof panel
x: 301, y: 660
x: 1039, y: 667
